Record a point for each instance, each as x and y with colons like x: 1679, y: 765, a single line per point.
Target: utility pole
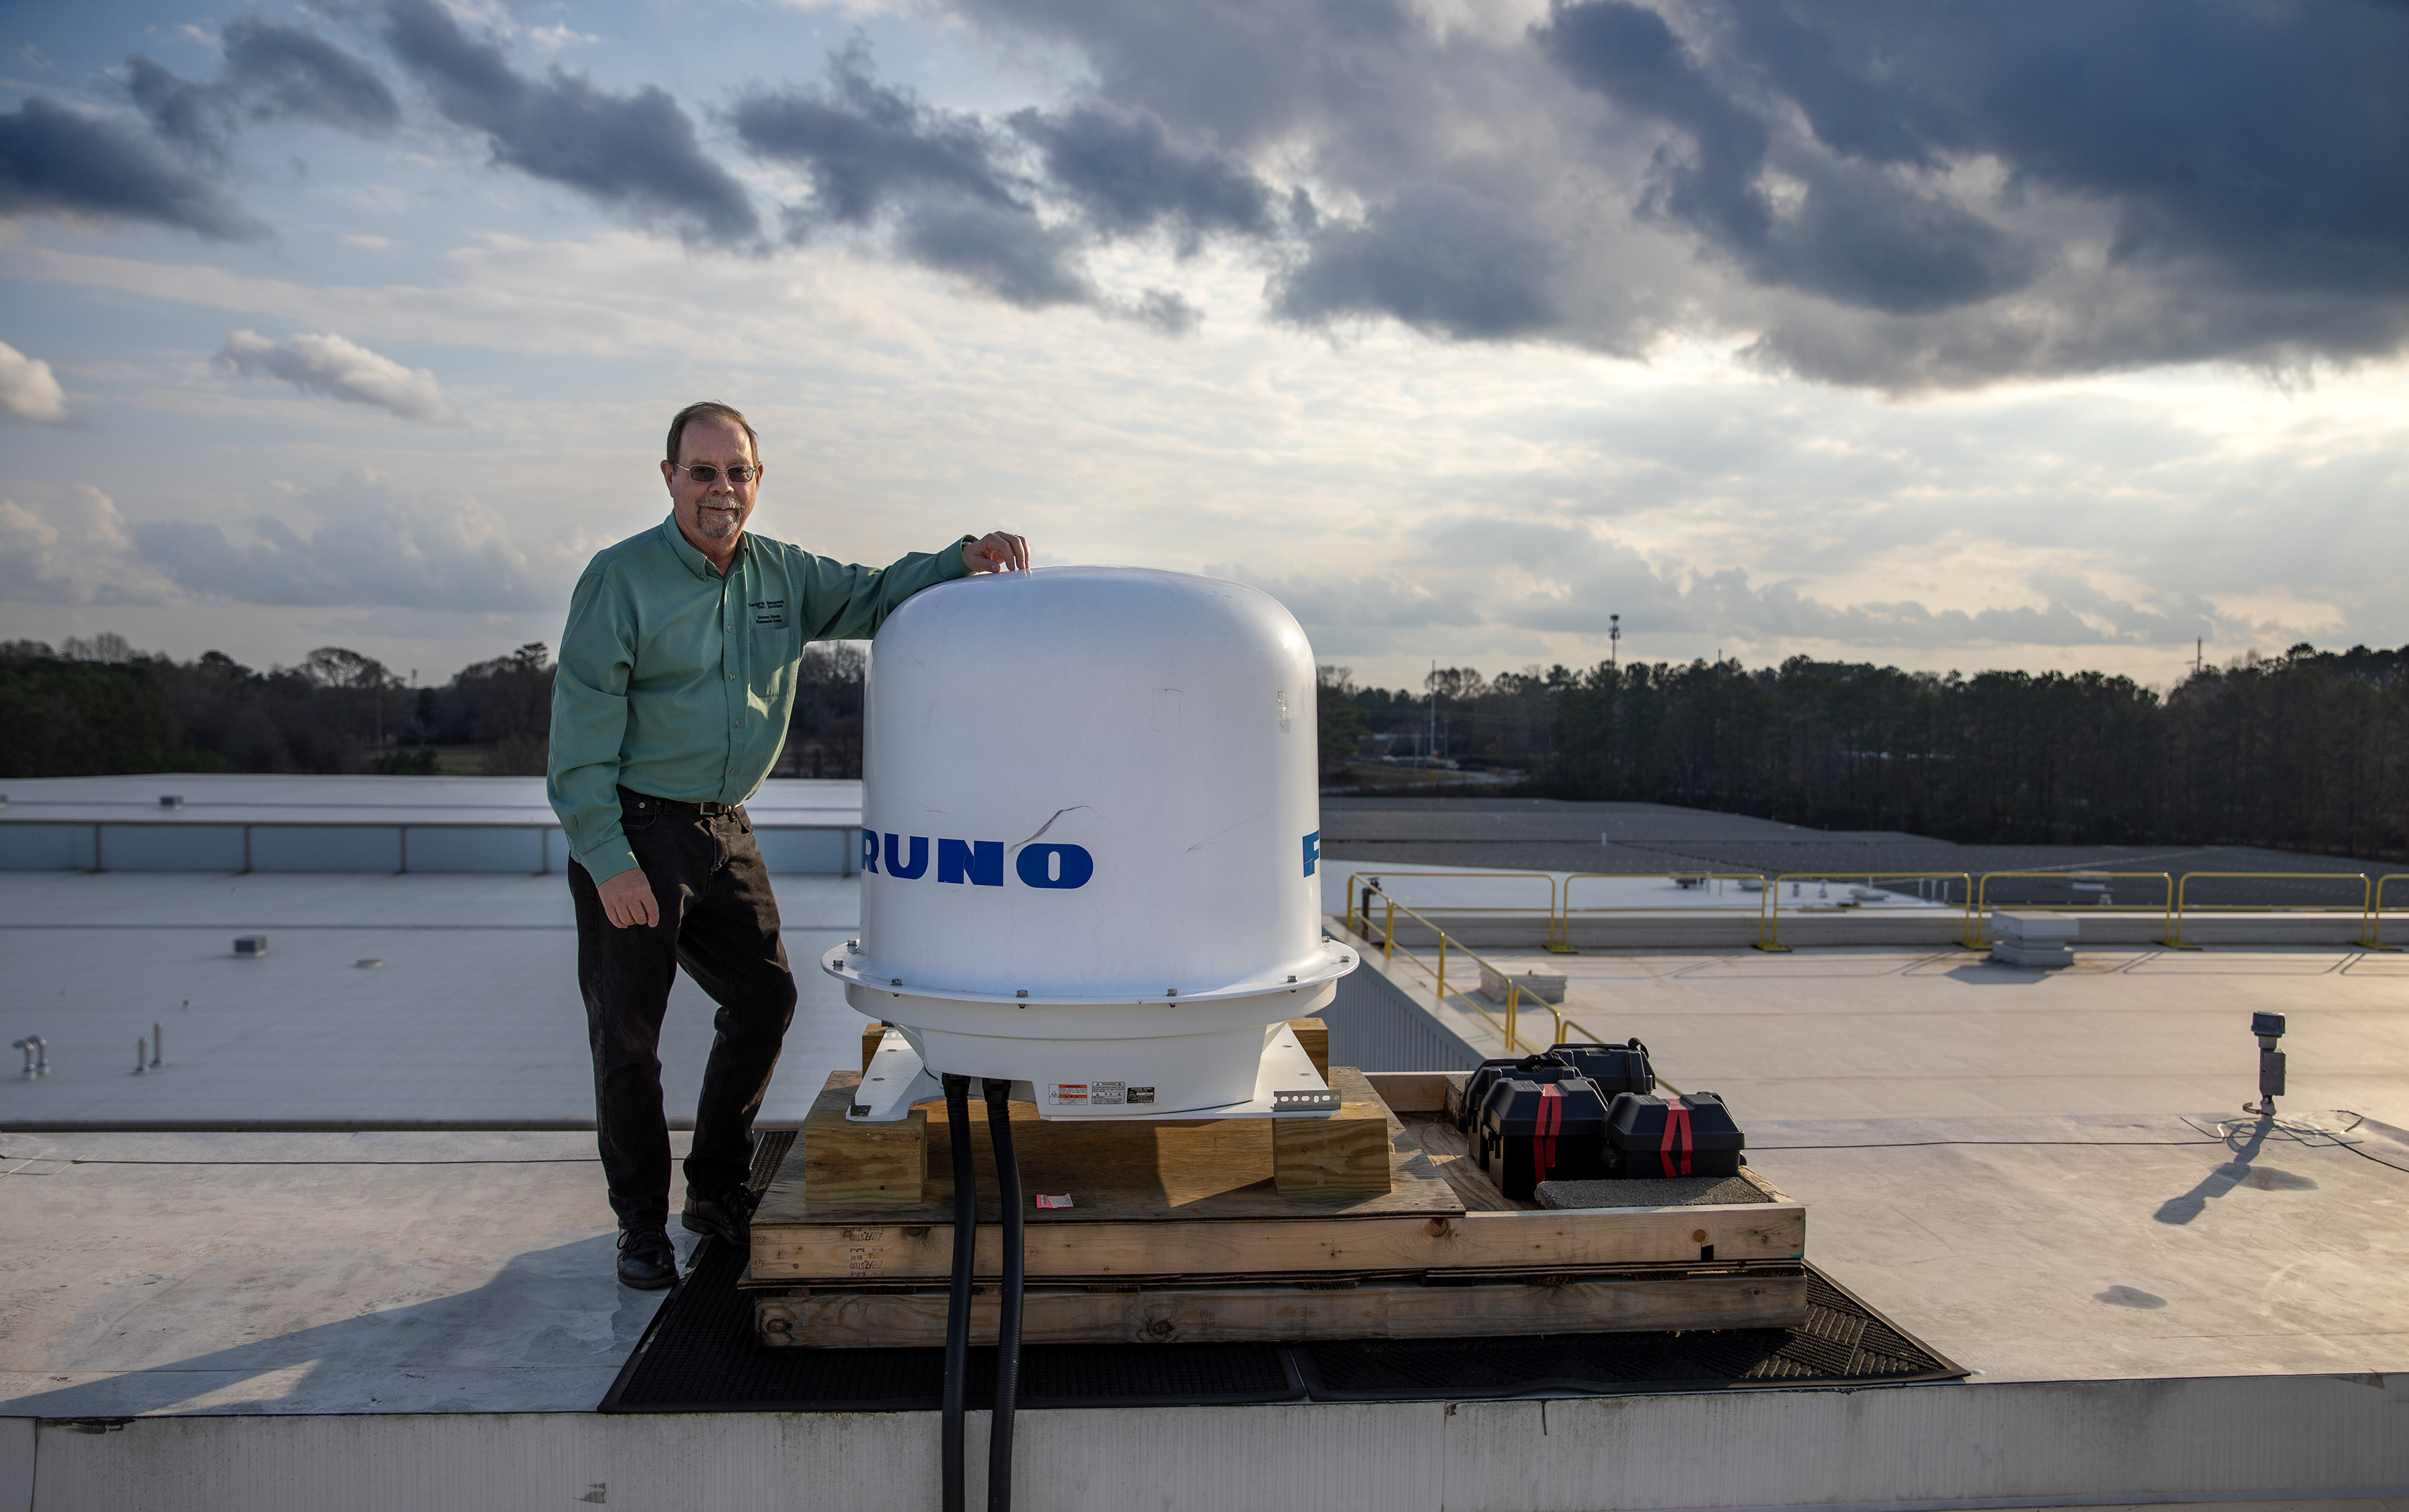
x: 1614, y: 640
x: 1429, y: 747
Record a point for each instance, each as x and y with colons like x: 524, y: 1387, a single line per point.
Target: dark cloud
x: 867, y: 145
x: 873, y: 151
x: 2271, y: 137
x: 271, y: 72
x: 1439, y: 259
x: 1001, y: 249
x: 1123, y: 170
x: 636, y: 154
x: 1168, y: 311
x: 57, y: 161
x: 1242, y: 73
x: 1942, y: 192
x: 1855, y: 235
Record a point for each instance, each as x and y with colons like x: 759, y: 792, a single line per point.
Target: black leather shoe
x: 728, y: 1216
x: 646, y: 1261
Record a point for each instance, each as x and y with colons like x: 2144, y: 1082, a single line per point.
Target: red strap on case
x: 1676, y: 1135
x: 1550, y: 1122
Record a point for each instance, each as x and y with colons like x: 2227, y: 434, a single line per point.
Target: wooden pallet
x: 1183, y: 1230
x: 1292, y: 1313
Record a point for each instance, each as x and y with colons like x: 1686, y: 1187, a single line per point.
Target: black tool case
x: 1692, y: 1135
x: 1615, y: 1068
x: 1544, y: 1124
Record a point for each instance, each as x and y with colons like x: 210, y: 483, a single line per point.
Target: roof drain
x: 957, y: 1301
x: 1007, y: 1327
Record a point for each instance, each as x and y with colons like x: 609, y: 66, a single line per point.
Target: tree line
x: 93, y: 706
x: 2307, y: 750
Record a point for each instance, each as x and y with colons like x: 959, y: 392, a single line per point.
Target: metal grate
x: 699, y: 1355
x: 1843, y: 1341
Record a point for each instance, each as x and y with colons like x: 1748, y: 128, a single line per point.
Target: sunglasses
x: 704, y: 472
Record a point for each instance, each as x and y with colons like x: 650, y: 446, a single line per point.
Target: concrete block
x: 2032, y: 926
x: 2045, y: 955
x: 1545, y: 986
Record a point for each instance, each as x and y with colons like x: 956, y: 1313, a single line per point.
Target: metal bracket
x: 896, y: 1079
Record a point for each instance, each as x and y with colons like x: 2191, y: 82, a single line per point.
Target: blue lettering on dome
x: 915, y: 868
x: 1312, y: 851
x: 977, y: 862
x: 1055, y: 866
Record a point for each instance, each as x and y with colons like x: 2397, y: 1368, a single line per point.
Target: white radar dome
x: 1091, y: 836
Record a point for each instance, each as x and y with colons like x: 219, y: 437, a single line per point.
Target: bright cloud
x: 28, y: 390
x: 339, y: 370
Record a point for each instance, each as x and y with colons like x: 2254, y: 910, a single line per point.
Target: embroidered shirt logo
x: 769, y: 611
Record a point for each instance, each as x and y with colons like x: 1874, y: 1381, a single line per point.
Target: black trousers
x: 720, y: 920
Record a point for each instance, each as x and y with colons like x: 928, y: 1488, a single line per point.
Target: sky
x: 1948, y: 335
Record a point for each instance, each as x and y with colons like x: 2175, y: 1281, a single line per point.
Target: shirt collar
x: 694, y: 561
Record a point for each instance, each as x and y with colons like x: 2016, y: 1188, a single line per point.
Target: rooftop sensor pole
x: 2269, y: 1028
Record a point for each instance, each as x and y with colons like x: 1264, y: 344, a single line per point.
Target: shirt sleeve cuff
x: 607, y: 860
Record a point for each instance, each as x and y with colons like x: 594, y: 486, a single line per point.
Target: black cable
x: 1007, y: 1331
x: 2364, y: 1156
x: 958, y: 1300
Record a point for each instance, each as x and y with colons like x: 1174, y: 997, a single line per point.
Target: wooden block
x: 1313, y: 1036
x: 871, y: 1034
x: 862, y: 1165
x: 1347, y: 1152
x: 1410, y: 1091
x: 1292, y: 1313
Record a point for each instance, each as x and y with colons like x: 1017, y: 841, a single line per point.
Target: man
x: 676, y: 680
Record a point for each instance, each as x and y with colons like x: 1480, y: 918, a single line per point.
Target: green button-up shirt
x: 678, y: 681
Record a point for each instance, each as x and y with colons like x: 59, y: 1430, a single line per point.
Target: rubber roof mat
x: 698, y: 1355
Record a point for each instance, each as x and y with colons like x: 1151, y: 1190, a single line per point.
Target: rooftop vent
x: 251, y: 944
x: 171, y: 800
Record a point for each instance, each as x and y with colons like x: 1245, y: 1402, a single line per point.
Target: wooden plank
x: 1290, y: 1314
x: 861, y: 1165
x: 1450, y: 1154
x: 868, y: 1249
x: 1410, y: 1091
x: 1220, y: 1168
x: 871, y: 1034
x: 1313, y: 1036
x: 1347, y: 1152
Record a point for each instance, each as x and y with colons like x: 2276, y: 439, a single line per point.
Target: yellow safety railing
x: 1978, y: 906
x: 1976, y: 938
x: 1389, y: 949
x: 2372, y: 938
x: 1561, y: 940
x: 1768, y: 922
x: 1355, y: 892
x: 2175, y: 941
